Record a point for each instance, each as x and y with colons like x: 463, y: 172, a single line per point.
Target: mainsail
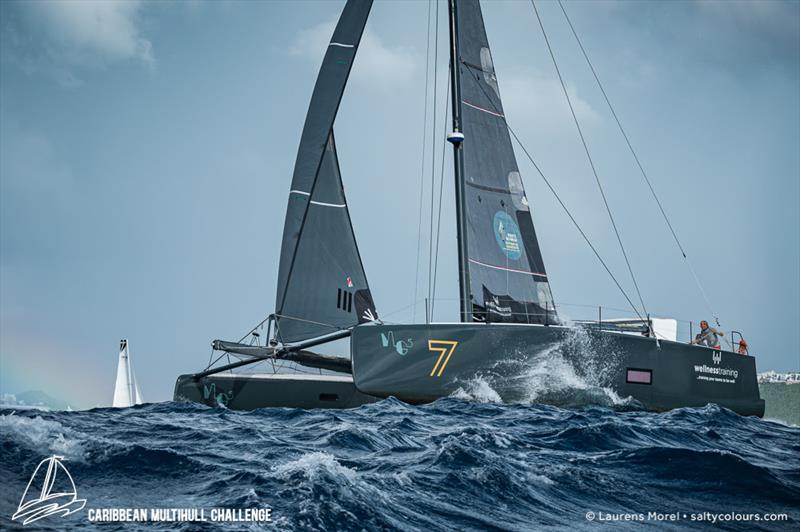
x: 322, y: 286
x: 506, y: 274
x: 126, y: 389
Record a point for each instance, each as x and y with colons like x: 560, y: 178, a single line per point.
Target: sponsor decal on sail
x: 493, y: 305
x: 507, y: 234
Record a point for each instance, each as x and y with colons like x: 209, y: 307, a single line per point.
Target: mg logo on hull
x: 401, y: 346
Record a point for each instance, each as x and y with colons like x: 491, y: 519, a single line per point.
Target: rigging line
x: 397, y: 311
x: 422, y: 166
x: 441, y: 187
x: 589, y: 156
x: 262, y: 322
x: 638, y: 162
x: 558, y: 198
x: 433, y: 148
x: 210, y: 363
x: 574, y: 222
x: 312, y: 322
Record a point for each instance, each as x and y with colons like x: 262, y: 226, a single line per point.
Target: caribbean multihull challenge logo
x: 50, y: 491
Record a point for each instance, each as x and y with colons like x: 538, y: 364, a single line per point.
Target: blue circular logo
x: 506, y: 232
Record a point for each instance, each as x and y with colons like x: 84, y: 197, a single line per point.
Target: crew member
x: 708, y: 336
x: 742, y: 347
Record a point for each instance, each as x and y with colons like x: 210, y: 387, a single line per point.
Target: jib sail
x: 322, y: 286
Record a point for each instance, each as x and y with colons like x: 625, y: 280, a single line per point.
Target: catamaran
x: 507, y: 312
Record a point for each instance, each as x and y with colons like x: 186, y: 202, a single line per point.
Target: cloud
x: 376, y: 63
x: 36, y: 187
x: 58, y: 37
x: 770, y: 28
x: 531, y: 97
x: 740, y: 36
x: 778, y: 19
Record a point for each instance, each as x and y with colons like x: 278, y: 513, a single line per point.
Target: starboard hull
x: 421, y: 363
x: 248, y: 391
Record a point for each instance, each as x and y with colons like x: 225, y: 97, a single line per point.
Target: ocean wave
x: 315, y: 465
x: 571, y: 373
x: 451, y: 464
x: 477, y: 389
x: 36, y: 433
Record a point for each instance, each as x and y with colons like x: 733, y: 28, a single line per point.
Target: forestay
x: 507, y: 277
x: 322, y: 286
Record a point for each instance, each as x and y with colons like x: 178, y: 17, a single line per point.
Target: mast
x: 456, y: 137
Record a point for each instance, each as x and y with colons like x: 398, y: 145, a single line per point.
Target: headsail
x: 322, y: 286
x: 126, y: 389
x: 506, y: 273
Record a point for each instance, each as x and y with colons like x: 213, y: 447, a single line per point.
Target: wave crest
x: 44, y: 436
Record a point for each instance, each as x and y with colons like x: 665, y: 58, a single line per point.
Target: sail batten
x: 319, y: 254
x: 506, y: 275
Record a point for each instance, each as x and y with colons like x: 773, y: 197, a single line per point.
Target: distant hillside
x: 36, y: 398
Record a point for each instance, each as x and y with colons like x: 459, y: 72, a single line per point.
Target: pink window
x: 640, y: 376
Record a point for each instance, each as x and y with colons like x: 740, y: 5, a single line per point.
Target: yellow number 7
x: 444, y: 347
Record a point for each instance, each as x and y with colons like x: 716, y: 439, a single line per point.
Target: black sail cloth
x: 508, y: 281
x: 322, y: 286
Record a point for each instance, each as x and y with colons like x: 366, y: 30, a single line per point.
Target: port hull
x: 415, y: 363
x: 249, y: 392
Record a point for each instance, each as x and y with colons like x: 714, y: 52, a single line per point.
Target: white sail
x: 126, y: 390
x: 137, y: 392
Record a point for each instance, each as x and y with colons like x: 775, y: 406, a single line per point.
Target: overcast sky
x: 146, y: 151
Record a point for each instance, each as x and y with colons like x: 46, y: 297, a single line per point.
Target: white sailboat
x: 126, y: 390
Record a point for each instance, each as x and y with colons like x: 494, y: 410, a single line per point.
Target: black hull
x: 680, y: 375
x: 421, y: 363
x: 249, y: 392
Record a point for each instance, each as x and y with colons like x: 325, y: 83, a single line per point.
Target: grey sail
x: 507, y: 277
x: 322, y: 286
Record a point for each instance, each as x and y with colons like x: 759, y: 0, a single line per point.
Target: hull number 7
x: 443, y: 347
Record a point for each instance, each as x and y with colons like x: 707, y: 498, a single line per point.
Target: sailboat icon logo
x: 50, y: 491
